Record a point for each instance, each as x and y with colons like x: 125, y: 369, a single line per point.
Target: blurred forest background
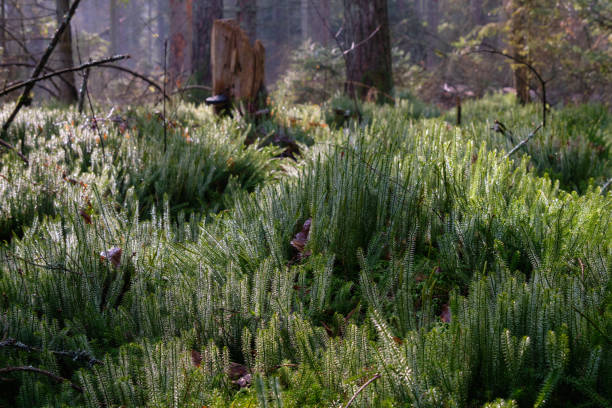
x: 438, y: 48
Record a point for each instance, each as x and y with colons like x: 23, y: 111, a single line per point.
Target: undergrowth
x: 408, y: 254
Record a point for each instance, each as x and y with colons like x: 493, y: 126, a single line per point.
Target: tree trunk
x: 247, y: 17
x: 433, y: 20
x: 517, y: 45
x: 162, y: 26
x: 2, y: 34
x: 317, y: 11
x: 67, y: 89
x: 477, y: 11
x: 205, y: 12
x: 237, y: 66
x: 181, y: 37
x: 368, y: 63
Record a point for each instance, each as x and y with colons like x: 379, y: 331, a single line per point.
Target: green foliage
x: 457, y: 275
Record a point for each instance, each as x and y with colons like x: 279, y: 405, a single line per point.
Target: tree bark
x: 181, y: 37
x: 205, y: 12
x: 517, y: 46
x: 67, y: 88
x: 247, y: 17
x: 368, y: 57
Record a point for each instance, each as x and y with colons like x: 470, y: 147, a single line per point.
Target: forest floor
x: 317, y: 258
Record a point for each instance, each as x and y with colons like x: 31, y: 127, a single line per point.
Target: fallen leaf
x: 196, y: 358
x: 446, y: 314
x: 113, y: 255
x: 86, y: 217
x: 301, y: 239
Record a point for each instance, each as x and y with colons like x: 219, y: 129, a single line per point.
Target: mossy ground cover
x: 428, y: 262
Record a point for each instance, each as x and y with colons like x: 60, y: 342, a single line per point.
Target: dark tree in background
x: 247, y: 17
x: 63, y: 56
x: 515, y: 10
x: 368, y: 59
x: 205, y: 12
x: 180, y: 44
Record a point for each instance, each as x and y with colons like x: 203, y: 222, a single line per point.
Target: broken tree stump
x: 237, y: 66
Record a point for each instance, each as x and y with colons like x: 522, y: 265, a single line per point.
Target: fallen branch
x: 523, y: 142
x: 191, y: 88
x: 61, y: 72
x: 49, y: 374
x: 24, y: 99
x: 606, y: 185
x: 79, y: 355
x: 370, y: 381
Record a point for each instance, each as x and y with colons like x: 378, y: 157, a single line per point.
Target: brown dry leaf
x: 86, y: 217
x: 446, y: 314
x: 301, y: 239
x: 113, y: 255
x: 196, y: 358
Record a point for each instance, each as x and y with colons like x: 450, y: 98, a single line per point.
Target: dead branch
x: 49, y: 374
x: 606, y: 185
x: 191, y: 88
x: 24, y: 99
x: 370, y: 381
x: 488, y: 49
x: 79, y: 355
x: 523, y: 142
x: 81, y: 67
x: 138, y: 75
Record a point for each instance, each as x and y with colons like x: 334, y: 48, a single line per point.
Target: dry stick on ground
x: 81, y: 67
x: 370, y: 381
x: 491, y: 50
x: 49, y: 374
x: 78, y: 355
x: 523, y: 142
x: 24, y: 99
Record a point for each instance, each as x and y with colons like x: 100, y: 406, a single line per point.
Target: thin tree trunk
x: 162, y: 26
x: 247, y: 17
x: 67, y: 88
x: 433, y: 20
x: 368, y: 60
x: 517, y: 45
x: 181, y: 37
x: 2, y: 34
x: 205, y: 12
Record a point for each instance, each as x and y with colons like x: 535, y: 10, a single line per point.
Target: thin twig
x: 49, y: 374
x: 138, y: 75
x: 606, y: 185
x: 523, y: 142
x: 81, y: 67
x: 79, y: 355
x: 370, y: 381
x: 24, y: 99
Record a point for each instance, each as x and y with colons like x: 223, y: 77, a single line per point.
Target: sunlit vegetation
x: 395, y: 248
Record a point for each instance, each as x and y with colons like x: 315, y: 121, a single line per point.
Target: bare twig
x: 138, y: 75
x: 360, y: 43
x: 191, y: 88
x: 24, y: 99
x: 49, y: 374
x: 81, y: 67
x: 370, y: 381
x: 523, y: 142
x: 492, y: 50
x: 79, y: 355
x: 606, y: 185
